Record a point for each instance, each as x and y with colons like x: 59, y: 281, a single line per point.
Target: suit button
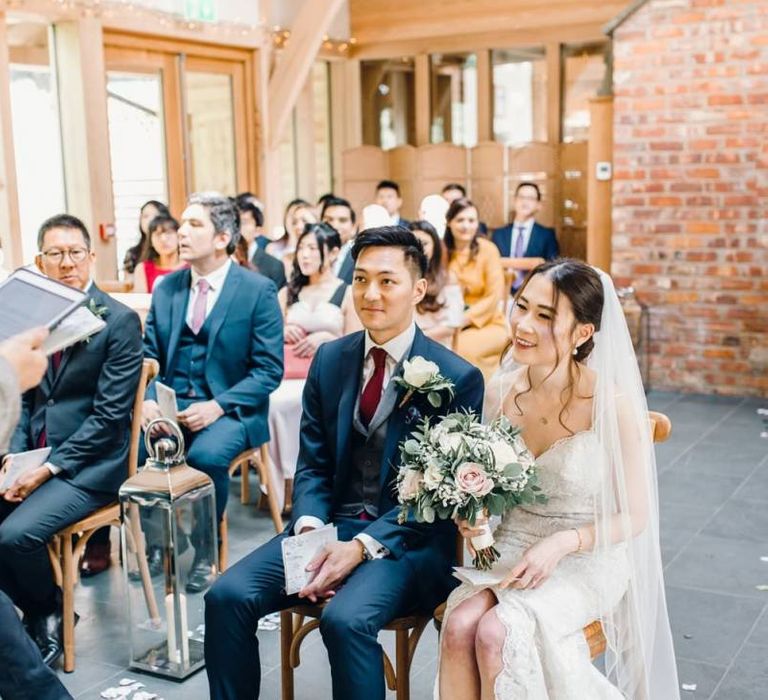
x: 49, y: 402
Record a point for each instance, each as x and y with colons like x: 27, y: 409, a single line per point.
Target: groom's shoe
x: 47, y: 632
x: 200, y: 576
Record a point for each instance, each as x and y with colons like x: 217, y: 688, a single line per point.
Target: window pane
x: 519, y: 96
x: 322, y: 126
x: 388, y: 93
x: 211, y: 132
x: 136, y: 149
x: 35, y: 111
x: 453, y: 98
x: 584, y: 70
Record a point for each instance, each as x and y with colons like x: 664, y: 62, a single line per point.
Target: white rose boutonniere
x: 423, y: 377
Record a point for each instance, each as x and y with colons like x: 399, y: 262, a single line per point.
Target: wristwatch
x: 366, y: 555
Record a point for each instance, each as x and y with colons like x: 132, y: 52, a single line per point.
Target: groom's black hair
x: 393, y: 237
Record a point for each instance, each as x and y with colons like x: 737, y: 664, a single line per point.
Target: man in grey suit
x: 82, y: 411
x: 23, y: 675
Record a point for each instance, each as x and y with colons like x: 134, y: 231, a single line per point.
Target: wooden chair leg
x: 265, y: 476
x: 286, y: 669
x: 68, y: 602
x: 245, y: 486
x: 288, y: 503
x: 402, y: 665
x: 223, y: 544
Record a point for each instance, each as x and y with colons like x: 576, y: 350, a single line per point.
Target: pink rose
x: 472, y: 479
x: 411, y: 483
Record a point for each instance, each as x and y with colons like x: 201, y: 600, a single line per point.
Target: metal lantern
x: 170, y: 508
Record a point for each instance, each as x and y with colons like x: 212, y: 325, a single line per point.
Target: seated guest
x: 149, y: 210
x: 23, y: 675
x: 261, y: 241
x: 433, y: 209
x: 477, y: 266
x: 161, y: 255
x: 298, y: 213
x: 82, y: 411
x: 317, y: 307
x: 374, y: 216
x: 441, y: 311
x: 339, y: 214
x: 217, y: 333
x: 453, y: 191
x: 248, y: 253
x: 353, y: 421
x: 388, y: 196
x: 524, y: 238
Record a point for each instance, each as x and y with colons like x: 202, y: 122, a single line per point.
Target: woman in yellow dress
x: 476, y: 263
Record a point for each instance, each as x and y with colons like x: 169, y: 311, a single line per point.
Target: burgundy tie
x: 201, y: 303
x: 369, y: 399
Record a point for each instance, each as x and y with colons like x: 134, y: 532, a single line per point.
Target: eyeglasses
x: 56, y: 256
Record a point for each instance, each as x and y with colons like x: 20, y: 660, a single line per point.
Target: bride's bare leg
x: 489, y: 642
x: 459, y: 675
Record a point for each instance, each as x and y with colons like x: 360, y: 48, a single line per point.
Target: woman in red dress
x: 161, y: 254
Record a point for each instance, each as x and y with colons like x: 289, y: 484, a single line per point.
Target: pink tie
x: 201, y: 302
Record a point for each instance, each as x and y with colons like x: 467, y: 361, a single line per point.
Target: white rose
x: 504, y: 453
x: 433, y: 475
x: 449, y: 441
x: 418, y: 371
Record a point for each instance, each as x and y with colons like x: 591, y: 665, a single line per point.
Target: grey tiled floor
x: 714, y: 529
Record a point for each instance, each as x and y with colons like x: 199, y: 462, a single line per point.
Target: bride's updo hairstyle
x: 581, y: 285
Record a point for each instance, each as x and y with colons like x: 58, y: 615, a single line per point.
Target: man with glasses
x: 524, y: 237
x: 81, y: 410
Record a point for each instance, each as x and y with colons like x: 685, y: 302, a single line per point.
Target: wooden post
x: 423, y: 99
x: 484, y: 96
x: 599, y: 192
x: 10, y: 225
x: 347, y: 121
x: 81, y: 77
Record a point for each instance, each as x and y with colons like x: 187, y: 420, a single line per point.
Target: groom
x: 353, y: 421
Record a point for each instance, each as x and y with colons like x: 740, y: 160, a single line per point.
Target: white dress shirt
x: 215, y: 281
x: 395, y: 349
x: 527, y: 231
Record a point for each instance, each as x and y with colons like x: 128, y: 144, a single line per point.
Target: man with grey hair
x: 217, y: 332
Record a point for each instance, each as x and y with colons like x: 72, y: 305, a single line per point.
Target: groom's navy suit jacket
x: 244, y: 358
x: 325, y: 462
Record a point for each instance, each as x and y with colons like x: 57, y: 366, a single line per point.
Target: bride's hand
x: 538, y: 562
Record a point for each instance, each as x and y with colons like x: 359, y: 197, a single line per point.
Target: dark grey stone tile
x: 87, y: 675
x: 679, y: 522
x: 659, y: 400
x: 709, y: 627
x: 747, y: 679
x: 755, y: 488
x: 704, y: 676
x: 740, y: 520
x: 690, y: 487
x: 721, y: 565
x: 708, y: 457
x: 711, y: 400
x: 760, y: 632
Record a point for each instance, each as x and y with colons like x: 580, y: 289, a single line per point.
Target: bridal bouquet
x: 461, y: 468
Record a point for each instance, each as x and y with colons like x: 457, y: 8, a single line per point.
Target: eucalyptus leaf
x: 434, y: 398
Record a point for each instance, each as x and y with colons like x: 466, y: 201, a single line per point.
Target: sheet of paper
x: 79, y: 325
x: 299, y: 550
x: 166, y: 399
x: 476, y: 577
x: 21, y: 463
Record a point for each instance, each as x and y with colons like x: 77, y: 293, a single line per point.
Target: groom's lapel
x: 396, y: 425
x: 352, y: 368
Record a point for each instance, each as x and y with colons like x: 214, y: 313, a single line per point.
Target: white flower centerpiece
x: 461, y: 468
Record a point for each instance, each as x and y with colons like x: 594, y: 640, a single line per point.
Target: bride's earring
x: 575, y: 351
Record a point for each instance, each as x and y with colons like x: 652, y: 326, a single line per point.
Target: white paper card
x: 20, y: 464
x: 166, y: 399
x: 476, y: 577
x: 79, y: 325
x: 299, y: 550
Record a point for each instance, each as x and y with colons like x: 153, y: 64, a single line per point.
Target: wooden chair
x: 64, y: 556
x: 661, y: 428
x: 120, y: 286
x: 294, y: 629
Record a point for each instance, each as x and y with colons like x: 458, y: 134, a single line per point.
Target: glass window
x: 519, y: 95
x: 211, y: 132
x: 453, y: 98
x: 584, y: 71
x: 322, y: 127
x: 34, y: 110
x: 388, y: 94
x: 136, y: 149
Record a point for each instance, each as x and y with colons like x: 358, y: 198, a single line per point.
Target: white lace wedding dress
x: 545, y: 654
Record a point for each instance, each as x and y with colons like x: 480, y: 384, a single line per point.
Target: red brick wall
x: 690, y: 191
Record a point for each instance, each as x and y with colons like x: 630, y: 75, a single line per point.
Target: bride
x: 570, y: 381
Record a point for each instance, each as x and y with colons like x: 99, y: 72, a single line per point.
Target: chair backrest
x: 661, y: 429
x: 149, y: 370
x: 110, y: 286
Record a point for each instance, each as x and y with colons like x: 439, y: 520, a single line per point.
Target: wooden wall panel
x: 436, y: 165
x: 362, y: 168
x: 403, y: 170
x: 488, y: 168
